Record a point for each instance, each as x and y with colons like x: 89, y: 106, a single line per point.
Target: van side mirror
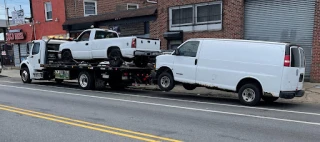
x: 176, y: 52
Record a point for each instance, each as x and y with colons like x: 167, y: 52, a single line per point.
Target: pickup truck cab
x: 101, y: 44
x: 253, y: 69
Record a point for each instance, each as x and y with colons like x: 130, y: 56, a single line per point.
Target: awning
x: 142, y: 14
x: 173, y: 35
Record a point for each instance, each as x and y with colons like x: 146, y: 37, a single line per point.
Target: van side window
x: 189, y: 49
x: 295, y: 57
x: 35, y: 48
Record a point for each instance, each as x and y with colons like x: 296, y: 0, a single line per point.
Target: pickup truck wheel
x: 166, y: 81
x: 25, y: 75
x: 269, y: 99
x: 141, y: 61
x: 189, y: 86
x: 85, y: 80
x: 249, y: 94
x: 67, y: 56
x: 115, y: 58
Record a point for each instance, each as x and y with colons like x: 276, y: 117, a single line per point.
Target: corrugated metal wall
x: 282, y: 20
x: 16, y: 55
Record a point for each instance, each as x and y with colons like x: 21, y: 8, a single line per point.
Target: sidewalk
x: 312, y: 94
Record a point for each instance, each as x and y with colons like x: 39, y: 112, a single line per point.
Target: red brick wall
x: 46, y: 28
x: 28, y: 33
x: 75, y: 8
x: 315, y: 67
x: 232, y: 24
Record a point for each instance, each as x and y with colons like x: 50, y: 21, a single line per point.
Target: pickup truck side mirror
x: 177, y: 52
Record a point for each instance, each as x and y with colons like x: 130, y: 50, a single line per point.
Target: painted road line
x: 73, y: 122
x: 88, y: 123
x: 174, y: 106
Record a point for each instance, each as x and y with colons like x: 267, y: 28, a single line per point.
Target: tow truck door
x: 34, y: 57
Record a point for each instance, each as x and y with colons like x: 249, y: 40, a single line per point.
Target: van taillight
x: 287, y: 60
x: 134, y: 43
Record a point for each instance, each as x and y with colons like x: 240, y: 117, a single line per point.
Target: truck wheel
x: 59, y: 81
x: 189, y: 86
x: 165, y: 81
x: 141, y: 61
x: 249, y: 94
x: 269, y: 99
x: 86, y: 80
x: 115, y: 58
x: 25, y: 75
x: 66, y: 56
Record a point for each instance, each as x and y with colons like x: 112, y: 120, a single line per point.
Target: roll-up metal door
x: 16, y: 55
x: 282, y: 21
x: 23, y: 51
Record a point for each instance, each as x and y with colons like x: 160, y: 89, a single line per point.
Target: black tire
x: 115, y: 58
x: 166, y: 81
x: 253, y: 96
x: 58, y: 81
x: 66, y: 56
x: 269, y: 99
x: 86, y: 80
x: 25, y: 75
x: 141, y: 61
x: 189, y: 86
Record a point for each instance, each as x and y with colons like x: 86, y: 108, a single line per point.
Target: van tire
x: 25, y: 75
x: 86, y: 80
x: 269, y: 99
x: 189, y: 86
x: 115, y: 58
x: 166, y: 81
x: 249, y: 94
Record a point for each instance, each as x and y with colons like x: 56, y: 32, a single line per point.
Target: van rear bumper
x: 291, y: 94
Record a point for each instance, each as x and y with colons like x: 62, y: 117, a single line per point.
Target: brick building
x: 48, y: 17
x: 128, y: 17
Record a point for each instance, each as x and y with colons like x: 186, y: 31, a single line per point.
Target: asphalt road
x: 49, y: 112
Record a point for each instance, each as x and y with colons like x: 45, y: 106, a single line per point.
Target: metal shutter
x: 282, y: 21
x: 16, y: 55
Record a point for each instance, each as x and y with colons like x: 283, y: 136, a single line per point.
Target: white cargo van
x: 253, y: 69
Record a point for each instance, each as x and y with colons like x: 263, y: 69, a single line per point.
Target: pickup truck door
x: 81, y: 48
x: 185, y: 62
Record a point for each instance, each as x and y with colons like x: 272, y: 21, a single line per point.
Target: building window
x: 196, y: 17
x: 131, y: 6
x: 90, y: 8
x: 48, y: 11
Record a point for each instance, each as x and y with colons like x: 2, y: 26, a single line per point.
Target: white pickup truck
x: 100, y: 44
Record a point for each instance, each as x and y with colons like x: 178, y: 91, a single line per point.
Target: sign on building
x: 18, y: 16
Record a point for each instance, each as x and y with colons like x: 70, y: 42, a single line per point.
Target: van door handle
x: 195, y: 61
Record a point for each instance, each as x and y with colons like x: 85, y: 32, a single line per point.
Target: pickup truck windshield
x: 105, y: 34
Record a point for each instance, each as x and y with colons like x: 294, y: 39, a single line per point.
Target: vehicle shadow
x: 188, y: 97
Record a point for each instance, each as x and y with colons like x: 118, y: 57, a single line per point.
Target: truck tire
x: 25, y: 75
x: 269, y: 99
x: 189, y: 86
x: 115, y: 58
x: 66, y: 56
x: 141, y: 61
x: 166, y: 81
x: 86, y: 80
x: 249, y: 94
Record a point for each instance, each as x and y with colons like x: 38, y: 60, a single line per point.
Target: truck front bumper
x: 291, y: 94
x: 147, y: 53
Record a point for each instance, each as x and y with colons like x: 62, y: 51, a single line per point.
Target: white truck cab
x: 253, y: 69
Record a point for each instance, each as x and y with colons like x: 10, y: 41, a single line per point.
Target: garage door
x: 282, y: 21
x: 16, y: 55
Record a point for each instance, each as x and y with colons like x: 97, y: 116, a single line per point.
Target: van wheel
x: 66, y: 56
x: 249, y: 94
x: 58, y: 81
x: 141, y: 61
x: 25, y: 75
x: 189, y: 86
x: 85, y: 80
x: 165, y: 81
x: 269, y: 99
x: 115, y: 58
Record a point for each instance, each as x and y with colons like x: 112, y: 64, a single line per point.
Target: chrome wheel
x: 83, y: 80
x: 25, y: 76
x: 165, y: 82
x: 248, y: 95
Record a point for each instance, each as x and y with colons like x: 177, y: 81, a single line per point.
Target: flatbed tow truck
x: 42, y: 63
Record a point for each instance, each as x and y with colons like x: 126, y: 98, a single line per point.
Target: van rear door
x: 294, y: 69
